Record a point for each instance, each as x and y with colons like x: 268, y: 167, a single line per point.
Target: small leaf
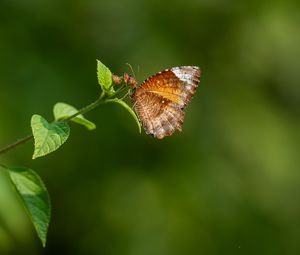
x: 48, y: 137
x: 63, y: 110
x: 35, y: 198
x: 104, y: 77
x: 128, y: 108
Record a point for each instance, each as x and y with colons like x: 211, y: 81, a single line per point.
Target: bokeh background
x: 228, y: 184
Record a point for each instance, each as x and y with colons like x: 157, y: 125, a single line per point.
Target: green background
x: 228, y: 184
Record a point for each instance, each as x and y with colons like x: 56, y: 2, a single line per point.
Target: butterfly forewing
x: 160, y: 99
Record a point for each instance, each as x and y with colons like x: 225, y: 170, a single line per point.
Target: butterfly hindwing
x: 159, y: 116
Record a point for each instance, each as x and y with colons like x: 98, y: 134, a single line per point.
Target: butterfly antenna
x: 131, y: 70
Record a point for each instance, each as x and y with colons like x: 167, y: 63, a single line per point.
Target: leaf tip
x: 43, y: 243
x: 92, y: 127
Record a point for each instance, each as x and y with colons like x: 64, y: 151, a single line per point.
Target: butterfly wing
x: 160, y: 99
x: 159, y: 116
x: 177, y: 84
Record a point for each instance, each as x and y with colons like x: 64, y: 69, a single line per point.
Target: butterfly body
x: 160, y: 100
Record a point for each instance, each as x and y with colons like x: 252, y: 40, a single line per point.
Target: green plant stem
x: 84, y: 110
x: 16, y: 143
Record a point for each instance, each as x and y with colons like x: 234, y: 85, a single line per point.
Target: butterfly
x: 160, y: 100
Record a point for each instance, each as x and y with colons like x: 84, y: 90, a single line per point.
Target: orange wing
x: 177, y: 84
x: 160, y: 99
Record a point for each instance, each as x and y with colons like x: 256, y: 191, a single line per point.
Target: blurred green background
x: 228, y: 184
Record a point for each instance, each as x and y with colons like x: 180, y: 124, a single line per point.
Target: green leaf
x: 63, y: 111
x: 104, y: 77
x: 128, y: 108
x: 48, y: 137
x: 35, y: 198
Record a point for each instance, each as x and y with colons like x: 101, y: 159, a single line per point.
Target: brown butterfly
x: 160, y: 100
